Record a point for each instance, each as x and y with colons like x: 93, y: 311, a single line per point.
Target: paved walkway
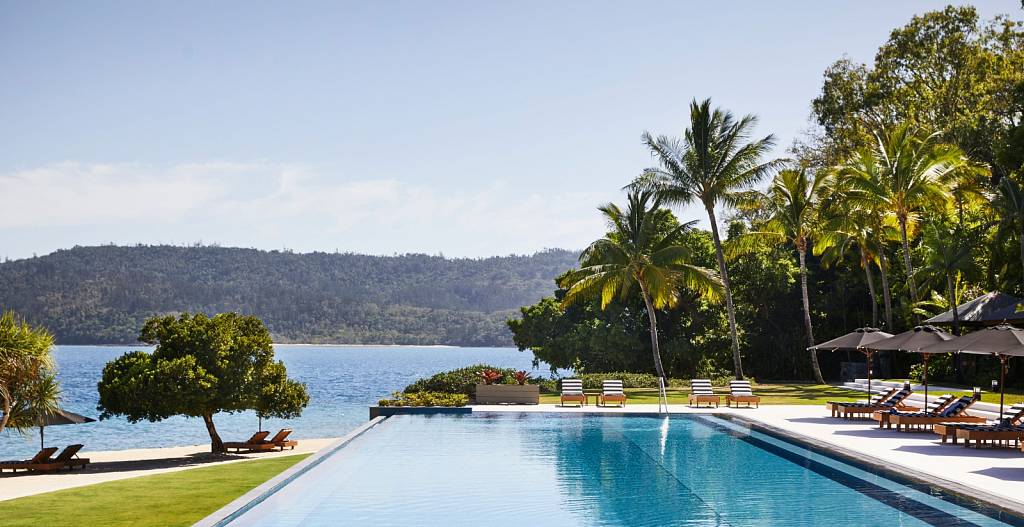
x: 998, y: 471
x: 123, y: 464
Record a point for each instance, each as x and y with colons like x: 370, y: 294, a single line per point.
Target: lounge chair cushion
x: 572, y: 387
x: 611, y: 387
x: 701, y: 387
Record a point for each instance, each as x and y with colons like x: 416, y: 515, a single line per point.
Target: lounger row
x: 45, y: 462
x: 259, y: 442
x: 1008, y: 431
x: 739, y: 392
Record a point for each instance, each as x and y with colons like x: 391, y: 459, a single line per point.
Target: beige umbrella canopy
x: 60, y: 417
x: 860, y: 340
x: 1003, y: 341
x: 915, y: 341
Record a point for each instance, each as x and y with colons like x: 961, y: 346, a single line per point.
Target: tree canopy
x: 201, y: 366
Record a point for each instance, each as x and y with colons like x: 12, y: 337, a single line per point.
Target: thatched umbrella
x: 1003, y: 341
x: 60, y: 417
x: 856, y: 340
x: 915, y: 341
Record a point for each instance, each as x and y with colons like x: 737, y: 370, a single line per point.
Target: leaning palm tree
x: 791, y: 206
x: 712, y: 163
x: 638, y: 252
x: 24, y: 359
x: 904, y: 173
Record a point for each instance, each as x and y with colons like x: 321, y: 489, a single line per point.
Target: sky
x: 457, y: 127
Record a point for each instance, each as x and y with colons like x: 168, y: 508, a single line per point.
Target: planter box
x: 507, y: 394
x: 376, y: 411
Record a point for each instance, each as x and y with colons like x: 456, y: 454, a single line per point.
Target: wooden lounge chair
x: 955, y: 412
x: 611, y: 391
x: 256, y: 442
x: 833, y: 406
x: 701, y: 392
x: 934, y: 407
x: 572, y: 391
x: 865, y: 410
x: 740, y: 392
x: 1006, y: 431
x: 280, y: 439
x: 68, y: 458
x: 41, y: 458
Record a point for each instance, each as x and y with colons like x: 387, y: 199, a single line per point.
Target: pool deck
x: 998, y: 472
x: 123, y: 464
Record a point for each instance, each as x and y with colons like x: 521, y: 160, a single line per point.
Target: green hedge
x: 425, y: 399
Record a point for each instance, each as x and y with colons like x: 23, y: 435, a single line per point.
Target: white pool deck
x: 996, y: 471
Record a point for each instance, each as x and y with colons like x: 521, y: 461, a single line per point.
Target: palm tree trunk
x: 1021, y: 237
x: 7, y: 414
x: 886, y: 291
x: 871, y: 287
x: 907, y: 263
x: 802, y: 251
x: 951, y: 291
x: 216, y: 445
x: 730, y: 309
x: 653, y: 325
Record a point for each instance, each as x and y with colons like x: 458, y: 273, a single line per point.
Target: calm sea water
x: 342, y: 381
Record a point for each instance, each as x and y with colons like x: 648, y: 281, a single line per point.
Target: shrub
x: 521, y: 377
x: 461, y: 380
x: 490, y: 376
x: 425, y: 399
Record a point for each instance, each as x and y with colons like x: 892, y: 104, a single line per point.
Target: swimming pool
x: 550, y: 469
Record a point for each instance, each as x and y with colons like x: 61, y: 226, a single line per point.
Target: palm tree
x: 904, y: 173
x: 1009, y: 205
x: 947, y: 257
x: 791, y: 205
x: 24, y: 360
x: 712, y: 163
x: 639, y: 252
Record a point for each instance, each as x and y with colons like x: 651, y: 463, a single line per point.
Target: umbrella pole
x: 1002, y: 378
x: 870, y: 356
x: 42, y: 443
x: 926, y: 380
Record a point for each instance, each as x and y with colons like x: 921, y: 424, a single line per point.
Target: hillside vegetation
x: 89, y: 295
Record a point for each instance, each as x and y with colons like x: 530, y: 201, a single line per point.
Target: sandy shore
x: 122, y: 464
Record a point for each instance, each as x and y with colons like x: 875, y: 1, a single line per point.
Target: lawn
x: 770, y: 394
x: 170, y: 499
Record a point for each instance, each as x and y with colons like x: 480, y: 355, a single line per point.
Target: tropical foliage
x: 28, y: 386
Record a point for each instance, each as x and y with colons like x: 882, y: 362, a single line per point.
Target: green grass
x: 770, y: 394
x: 170, y: 499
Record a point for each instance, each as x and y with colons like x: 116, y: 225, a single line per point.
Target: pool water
x: 548, y: 469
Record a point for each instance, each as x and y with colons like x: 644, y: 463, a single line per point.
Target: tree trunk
x: 216, y: 445
x: 1021, y: 236
x: 886, y: 291
x: 730, y: 309
x: 909, y: 265
x: 958, y: 365
x: 802, y: 251
x: 653, y: 324
x: 7, y: 414
x: 871, y: 288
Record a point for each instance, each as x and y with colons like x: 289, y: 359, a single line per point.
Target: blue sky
x: 468, y: 128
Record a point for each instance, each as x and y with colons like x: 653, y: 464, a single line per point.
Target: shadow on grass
x: 192, y: 460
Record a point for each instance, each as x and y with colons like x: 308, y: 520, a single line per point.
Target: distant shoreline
x: 142, y: 345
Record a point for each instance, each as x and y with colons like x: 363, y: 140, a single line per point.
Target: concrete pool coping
x: 754, y: 418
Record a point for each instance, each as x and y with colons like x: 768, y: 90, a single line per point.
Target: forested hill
x: 103, y: 294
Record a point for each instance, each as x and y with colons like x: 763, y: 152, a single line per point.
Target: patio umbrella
x: 856, y: 340
x: 1003, y: 341
x: 60, y: 417
x: 914, y: 341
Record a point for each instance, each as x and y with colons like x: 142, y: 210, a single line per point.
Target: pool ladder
x: 662, y: 396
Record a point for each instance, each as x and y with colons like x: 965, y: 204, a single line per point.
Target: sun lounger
x: 833, y: 406
x: 41, y: 458
x: 256, y: 442
x: 280, y: 439
x: 1006, y: 431
x: 611, y: 391
x: 701, y: 392
x: 934, y: 407
x: 572, y: 391
x: 955, y: 412
x: 68, y: 458
x: 863, y: 410
x: 740, y: 392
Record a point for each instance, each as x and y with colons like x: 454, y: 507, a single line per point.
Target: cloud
x: 269, y: 205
